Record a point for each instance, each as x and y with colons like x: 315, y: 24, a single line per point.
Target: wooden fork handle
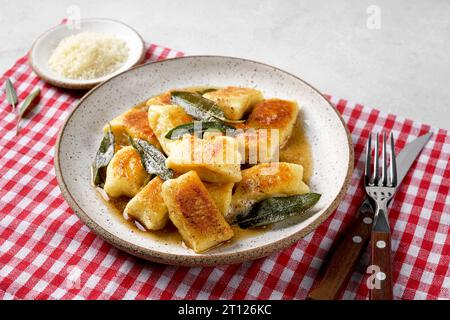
x: 381, y: 278
x: 344, y: 256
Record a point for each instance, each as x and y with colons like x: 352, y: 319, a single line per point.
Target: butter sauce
x: 298, y: 150
x: 168, y: 235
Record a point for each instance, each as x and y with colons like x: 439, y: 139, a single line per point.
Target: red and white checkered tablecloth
x: 46, y: 252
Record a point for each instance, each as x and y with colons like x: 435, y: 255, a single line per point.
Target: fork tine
x: 384, y: 172
x: 367, y: 178
x: 376, y: 161
x: 393, y: 168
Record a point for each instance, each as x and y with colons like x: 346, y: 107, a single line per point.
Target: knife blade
x: 345, y: 254
x: 408, y: 155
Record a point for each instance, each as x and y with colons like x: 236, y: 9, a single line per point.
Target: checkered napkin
x: 46, y: 252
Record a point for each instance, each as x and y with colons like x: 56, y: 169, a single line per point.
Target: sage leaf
x: 153, y: 160
x: 29, y: 102
x: 199, y: 107
x: 277, y: 209
x: 11, y: 95
x: 199, y: 128
x: 104, y: 155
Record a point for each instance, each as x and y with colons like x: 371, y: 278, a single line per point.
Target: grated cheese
x: 88, y: 55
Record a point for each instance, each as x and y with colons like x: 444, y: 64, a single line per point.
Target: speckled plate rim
x: 202, y: 259
x: 74, y: 85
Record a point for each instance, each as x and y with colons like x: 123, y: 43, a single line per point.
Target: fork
x: 380, y: 187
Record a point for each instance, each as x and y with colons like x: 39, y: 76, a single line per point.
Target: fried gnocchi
x: 207, y: 182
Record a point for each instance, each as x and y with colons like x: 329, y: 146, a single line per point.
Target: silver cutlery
x: 347, y: 250
x: 381, y: 187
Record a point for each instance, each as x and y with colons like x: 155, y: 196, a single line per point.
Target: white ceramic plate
x: 44, y: 46
x: 82, y: 133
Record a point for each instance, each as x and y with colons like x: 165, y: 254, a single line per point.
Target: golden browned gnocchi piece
x: 274, y: 114
x: 133, y: 123
x: 235, y: 101
x: 162, y: 99
x: 264, y: 181
x: 215, y: 159
x: 163, y: 118
x: 267, y: 130
x: 258, y: 146
x: 148, y: 206
x: 221, y: 195
x: 125, y: 174
x: 194, y: 213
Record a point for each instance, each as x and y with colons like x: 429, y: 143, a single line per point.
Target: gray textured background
x: 402, y: 68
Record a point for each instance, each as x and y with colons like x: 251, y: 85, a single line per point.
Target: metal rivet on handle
x: 367, y: 220
x: 381, y: 244
x: 357, y: 239
x: 381, y: 276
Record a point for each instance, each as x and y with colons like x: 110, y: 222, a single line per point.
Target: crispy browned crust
x: 133, y: 123
x: 127, y: 163
x: 154, y: 191
x: 255, y: 180
x: 273, y: 114
x: 137, y: 122
x: 235, y: 101
x: 198, y: 198
x: 125, y: 174
x: 264, y: 181
x: 148, y: 206
x: 164, y: 98
x: 194, y: 213
x: 268, y: 115
x: 162, y: 118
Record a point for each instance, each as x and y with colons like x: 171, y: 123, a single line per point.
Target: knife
x: 346, y: 252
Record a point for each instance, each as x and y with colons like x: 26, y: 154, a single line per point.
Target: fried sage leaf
x: 198, y: 128
x: 277, y: 209
x: 199, y: 107
x: 26, y: 105
x: 11, y: 95
x: 104, y: 155
x: 153, y: 160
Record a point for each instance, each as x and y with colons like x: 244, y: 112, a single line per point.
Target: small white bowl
x: 44, y: 46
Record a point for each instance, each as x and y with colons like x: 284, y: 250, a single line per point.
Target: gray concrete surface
x: 401, y: 67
